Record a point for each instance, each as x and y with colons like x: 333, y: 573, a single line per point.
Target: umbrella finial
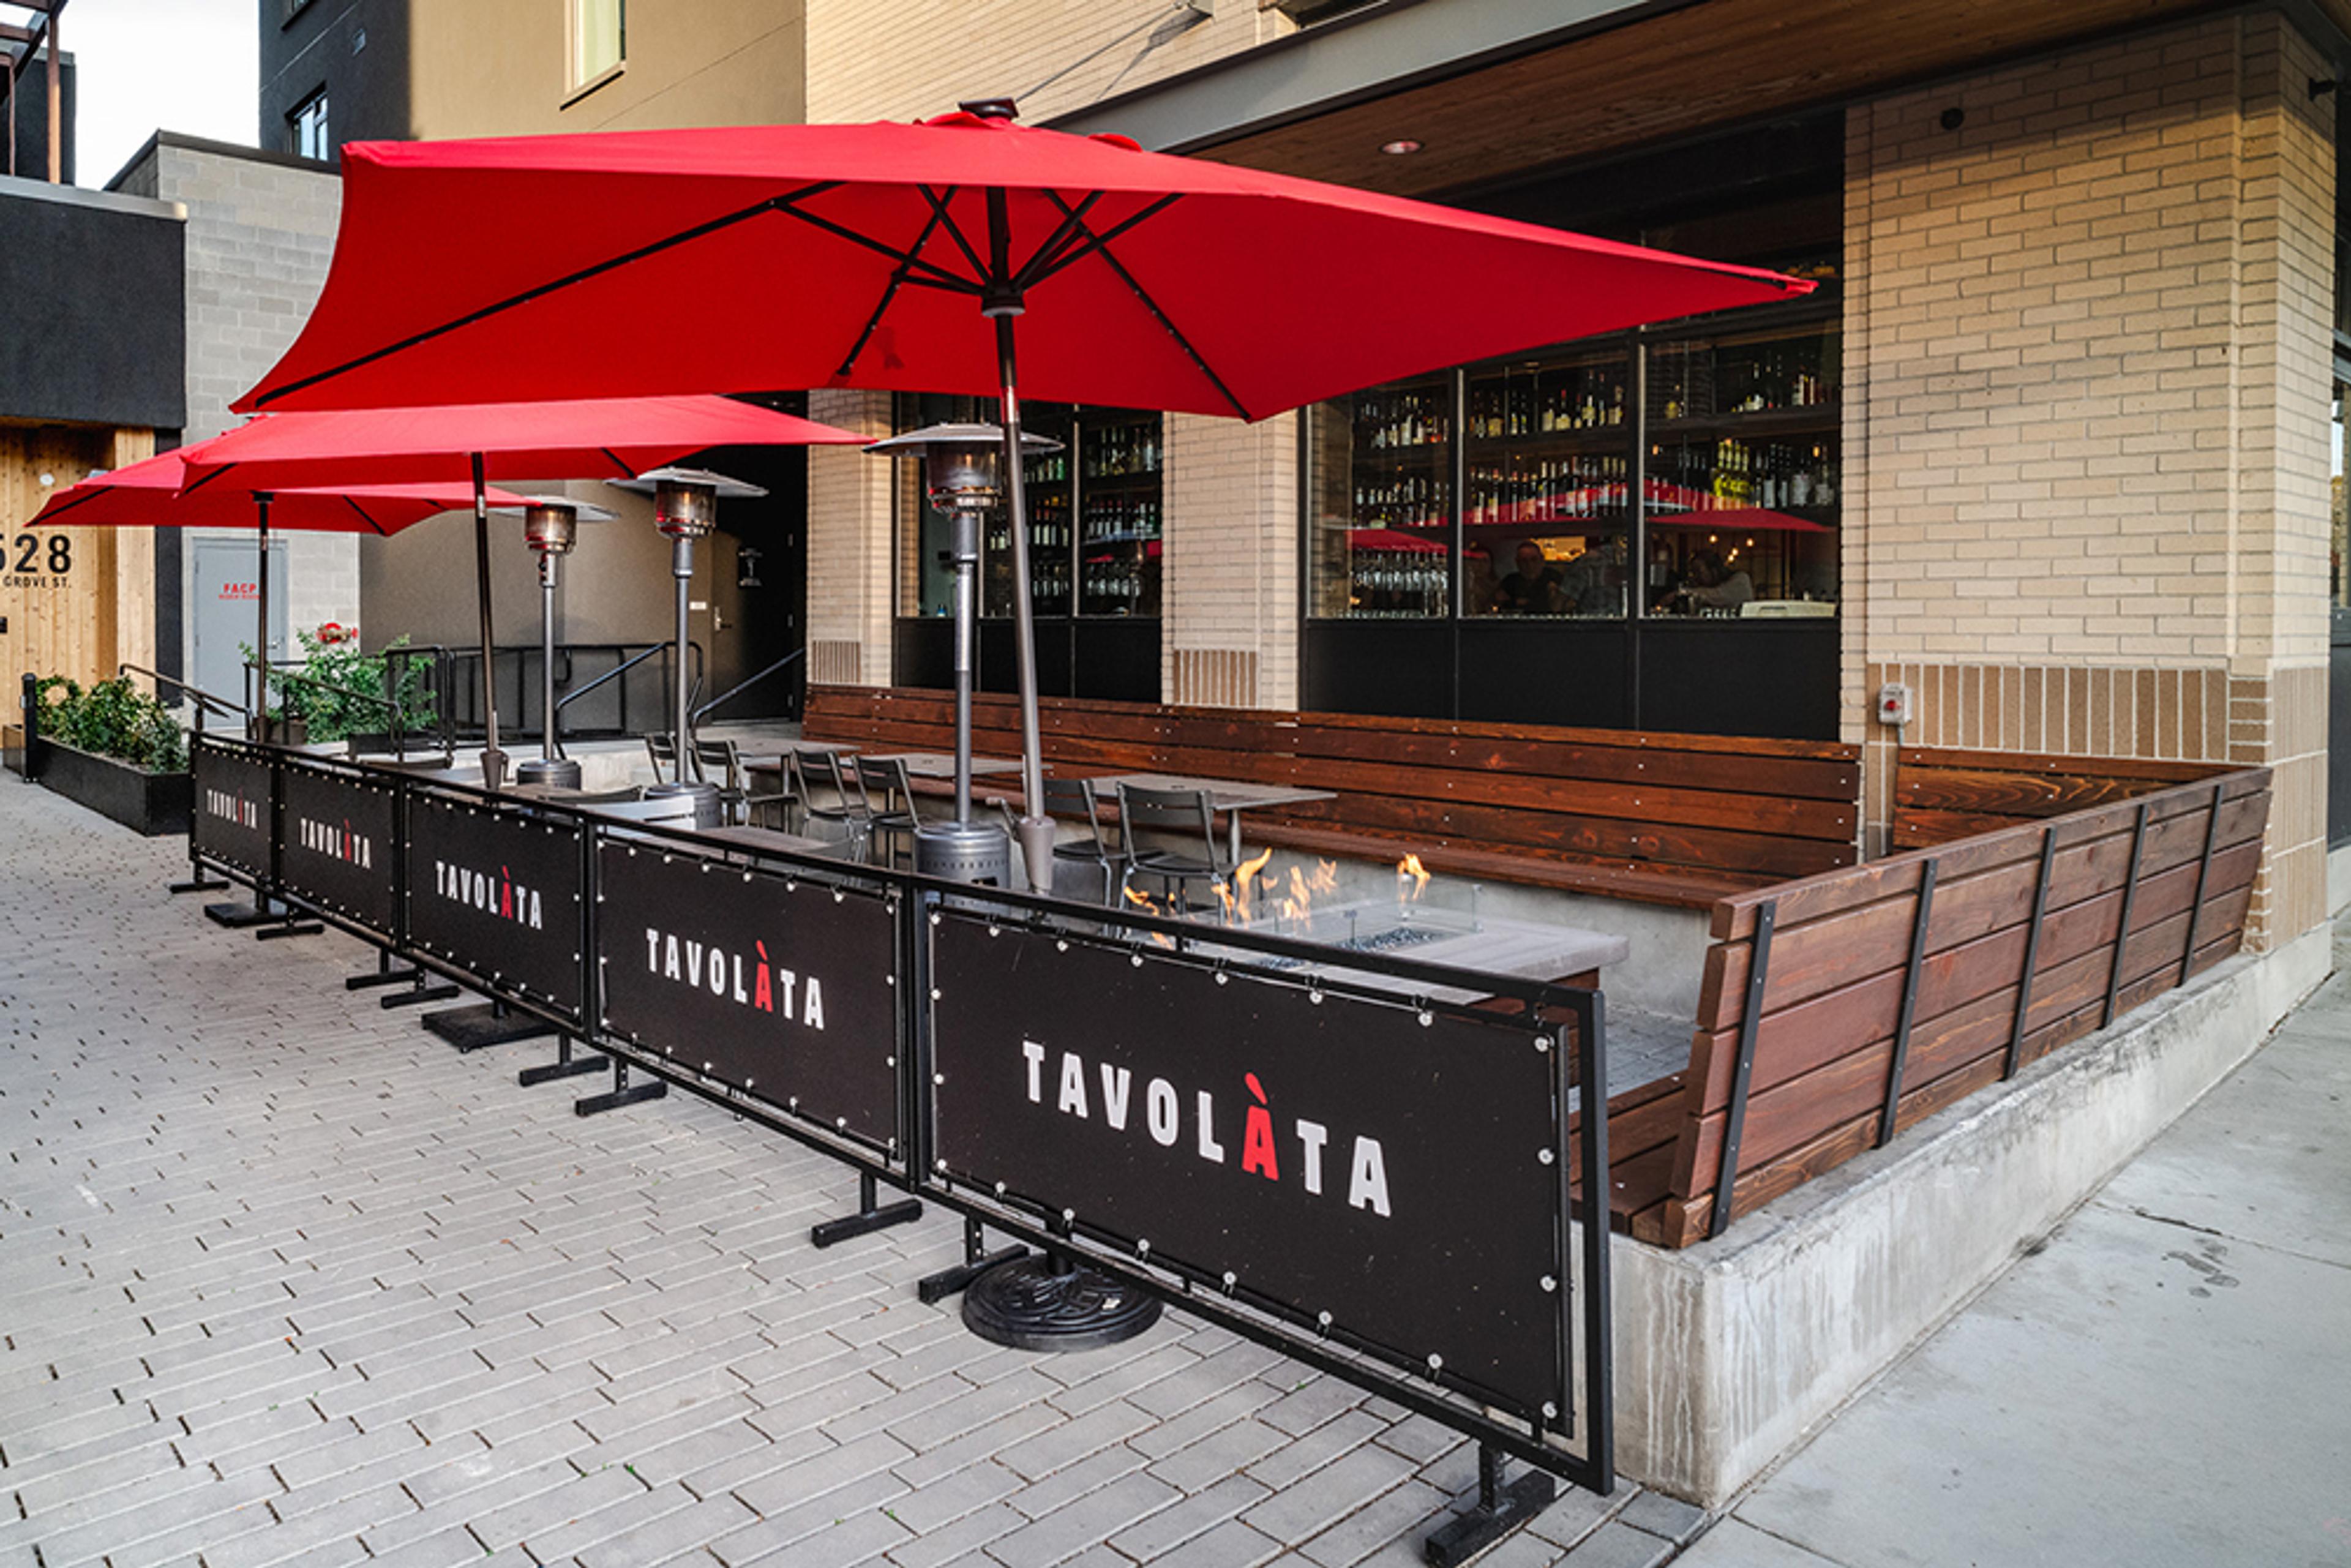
x: 990, y: 107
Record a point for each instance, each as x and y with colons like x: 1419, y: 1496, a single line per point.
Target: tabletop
x: 1224, y: 794
x: 770, y: 759
x: 770, y: 838
x: 942, y: 764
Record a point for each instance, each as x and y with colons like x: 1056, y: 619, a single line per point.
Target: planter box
x: 150, y: 803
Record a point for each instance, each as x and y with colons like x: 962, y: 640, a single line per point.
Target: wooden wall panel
x: 99, y: 609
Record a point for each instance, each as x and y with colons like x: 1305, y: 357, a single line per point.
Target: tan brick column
x: 1229, y: 637
x: 852, y: 564
x: 2088, y: 382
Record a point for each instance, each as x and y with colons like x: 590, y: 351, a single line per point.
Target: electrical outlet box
x: 1894, y: 703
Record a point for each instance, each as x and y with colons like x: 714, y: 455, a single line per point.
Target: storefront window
x: 1118, y: 514
x: 1545, y: 529
x: 1742, y: 481
x: 1381, y: 501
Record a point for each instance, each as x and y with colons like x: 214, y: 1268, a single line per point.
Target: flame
x: 1145, y: 902
x: 1236, y: 898
x: 1410, y: 870
x: 1298, y: 906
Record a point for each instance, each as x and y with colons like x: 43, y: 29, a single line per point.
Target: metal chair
x: 1076, y: 798
x: 1180, y: 814
x: 850, y: 806
x: 894, y: 812
x: 793, y: 796
x: 662, y: 750
x: 724, y: 758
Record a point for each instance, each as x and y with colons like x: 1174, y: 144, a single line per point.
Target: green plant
x: 340, y: 692
x: 112, y: 718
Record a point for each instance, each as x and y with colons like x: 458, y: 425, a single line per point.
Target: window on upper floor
x: 599, y: 40
x: 306, y: 129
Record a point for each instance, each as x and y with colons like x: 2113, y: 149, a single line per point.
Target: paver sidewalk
x: 2163, y: 1382
x: 284, y: 1279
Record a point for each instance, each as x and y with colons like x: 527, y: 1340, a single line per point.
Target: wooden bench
x: 2018, y: 955
x: 1665, y: 819
x: 1942, y: 795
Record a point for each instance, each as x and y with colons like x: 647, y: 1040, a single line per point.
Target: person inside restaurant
x: 1534, y: 588
x: 1709, y: 585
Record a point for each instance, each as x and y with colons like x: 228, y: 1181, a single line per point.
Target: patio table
x: 1229, y: 796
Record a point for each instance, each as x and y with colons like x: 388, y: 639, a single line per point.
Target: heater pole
x: 546, y: 656
x: 494, y: 761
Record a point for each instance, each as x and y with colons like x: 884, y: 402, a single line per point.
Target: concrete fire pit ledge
x: 1728, y: 1352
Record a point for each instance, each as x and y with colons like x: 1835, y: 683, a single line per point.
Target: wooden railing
x: 1839, y: 1008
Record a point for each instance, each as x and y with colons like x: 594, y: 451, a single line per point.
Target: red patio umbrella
x: 609, y: 438
x: 149, y: 494
x: 898, y: 256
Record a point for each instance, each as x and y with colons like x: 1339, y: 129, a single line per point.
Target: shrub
x: 333, y: 693
x: 115, y: 719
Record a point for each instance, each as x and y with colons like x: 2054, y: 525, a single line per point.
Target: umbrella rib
x: 774, y: 204
x: 1099, y: 246
x: 1072, y: 224
x: 889, y: 293
x: 943, y: 278
x: 1093, y: 242
x: 626, y: 471
x: 939, y: 212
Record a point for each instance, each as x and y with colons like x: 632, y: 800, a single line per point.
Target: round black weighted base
x: 1026, y: 1305
x: 563, y: 772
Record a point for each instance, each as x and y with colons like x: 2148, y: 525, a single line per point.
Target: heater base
x: 1026, y: 1305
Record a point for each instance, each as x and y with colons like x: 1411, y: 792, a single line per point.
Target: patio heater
x: 685, y: 509
x: 551, y: 527
x: 962, y: 467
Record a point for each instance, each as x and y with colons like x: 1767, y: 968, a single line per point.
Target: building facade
x: 2054, y: 452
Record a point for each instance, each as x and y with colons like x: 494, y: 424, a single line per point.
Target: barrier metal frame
x: 1546, y: 1437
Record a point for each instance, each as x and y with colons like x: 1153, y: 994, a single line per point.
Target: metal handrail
x: 693, y: 656
x: 394, y: 708
x: 203, y: 698
x: 694, y: 716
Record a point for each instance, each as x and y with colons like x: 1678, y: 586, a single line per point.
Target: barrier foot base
x: 291, y: 927
x: 623, y: 1092
x: 492, y: 1023
x: 1050, y: 1303
x: 238, y: 916
x: 385, y: 973
x: 869, y: 1218
x: 565, y: 1065
x: 198, y: 885
x: 976, y: 1261
x: 423, y: 990
x: 1500, y: 1510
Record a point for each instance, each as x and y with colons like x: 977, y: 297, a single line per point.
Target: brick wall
x: 1052, y: 55
x: 1230, y: 635
x: 852, y: 589
x: 2087, y: 376
x: 259, y: 236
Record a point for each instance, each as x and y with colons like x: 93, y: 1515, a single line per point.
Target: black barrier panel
x: 1325, y: 1155
x: 341, y: 844
x: 494, y: 891
x: 786, y: 992
x: 231, y: 821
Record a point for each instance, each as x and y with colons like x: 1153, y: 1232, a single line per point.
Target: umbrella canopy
x: 148, y: 494
x: 809, y: 256
x: 898, y: 256
x: 584, y: 438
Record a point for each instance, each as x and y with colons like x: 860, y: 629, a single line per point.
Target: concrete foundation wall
x: 1728, y: 1352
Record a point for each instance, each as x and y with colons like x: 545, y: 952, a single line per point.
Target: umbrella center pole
x: 1036, y: 828
x: 494, y: 761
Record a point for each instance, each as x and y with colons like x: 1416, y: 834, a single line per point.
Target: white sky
x: 189, y: 66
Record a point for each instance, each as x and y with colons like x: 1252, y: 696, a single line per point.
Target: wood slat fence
x: 1839, y: 1008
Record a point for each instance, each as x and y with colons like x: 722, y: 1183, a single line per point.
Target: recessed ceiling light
x: 1399, y: 148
